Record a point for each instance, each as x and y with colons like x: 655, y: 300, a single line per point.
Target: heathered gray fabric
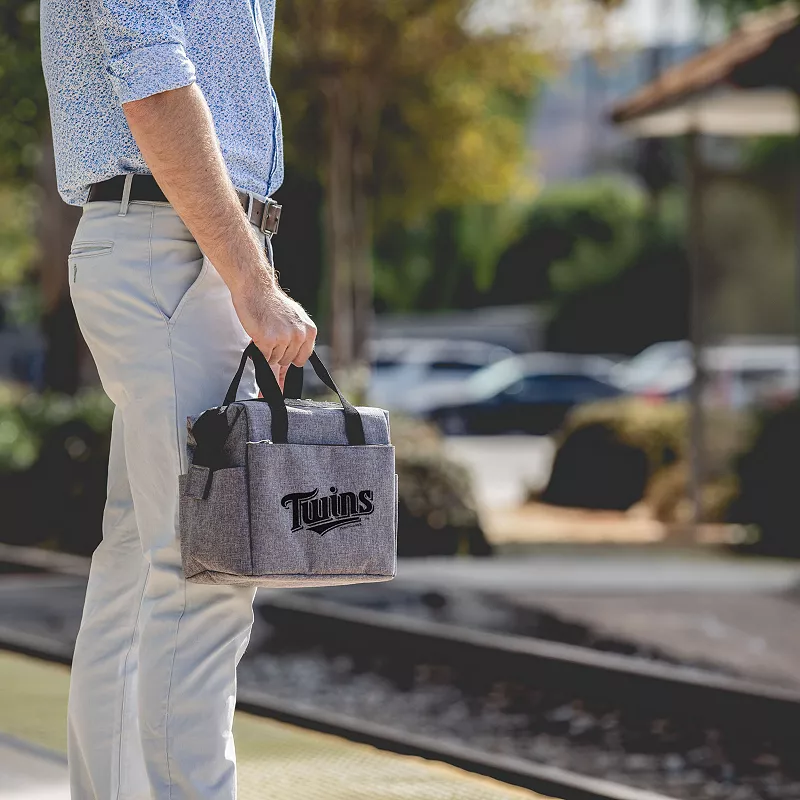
x: 314, y: 512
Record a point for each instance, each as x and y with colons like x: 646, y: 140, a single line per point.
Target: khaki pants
x: 154, y: 675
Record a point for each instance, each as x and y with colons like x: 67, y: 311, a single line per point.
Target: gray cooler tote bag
x: 288, y: 492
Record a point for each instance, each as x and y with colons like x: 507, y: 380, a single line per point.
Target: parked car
x: 406, y: 371
x: 524, y: 394
x: 662, y: 370
x: 739, y: 374
x: 742, y: 375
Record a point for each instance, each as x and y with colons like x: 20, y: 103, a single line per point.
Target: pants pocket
x: 175, y: 280
x: 90, y: 249
x: 84, y: 250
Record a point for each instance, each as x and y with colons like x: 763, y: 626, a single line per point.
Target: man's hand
x: 176, y: 135
x: 280, y: 327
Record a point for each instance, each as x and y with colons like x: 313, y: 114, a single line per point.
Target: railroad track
x: 541, y: 778
x: 299, y: 620
x: 520, y: 657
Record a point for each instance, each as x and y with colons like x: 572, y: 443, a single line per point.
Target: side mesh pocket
x: 214, y: 523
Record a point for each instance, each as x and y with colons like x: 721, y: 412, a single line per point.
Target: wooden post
x: 796, y: 180
x: 697, y: 323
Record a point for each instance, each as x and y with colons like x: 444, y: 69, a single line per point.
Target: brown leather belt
x: 265, y: 216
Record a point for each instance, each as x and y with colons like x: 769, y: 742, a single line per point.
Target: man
x: 167, y: 132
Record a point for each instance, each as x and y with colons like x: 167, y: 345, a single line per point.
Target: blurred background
x: 558, y: 240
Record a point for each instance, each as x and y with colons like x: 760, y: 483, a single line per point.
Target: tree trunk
x: 66, y: 352
x: 339, y: 222
x: 364, y: 143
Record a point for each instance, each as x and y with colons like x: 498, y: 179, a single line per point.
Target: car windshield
x: 493, y: 379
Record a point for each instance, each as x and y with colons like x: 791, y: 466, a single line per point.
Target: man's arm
x: 154, y: 81
x: 176, y: 135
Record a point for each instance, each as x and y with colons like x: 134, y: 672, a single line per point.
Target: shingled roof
x: 763, y: 52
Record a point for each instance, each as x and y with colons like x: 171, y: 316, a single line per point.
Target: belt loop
x: 249, y: 209
x: 126, y: 194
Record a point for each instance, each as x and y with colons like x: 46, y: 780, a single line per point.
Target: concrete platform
x: 276, y: 761
x: 31, y: 773
x: 605, y: 570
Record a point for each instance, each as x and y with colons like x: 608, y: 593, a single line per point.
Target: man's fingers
x: 305, y: 350
x: 280, y: 373
x: 290, y: 356
x: 267, y: 348
x: 278, y: 354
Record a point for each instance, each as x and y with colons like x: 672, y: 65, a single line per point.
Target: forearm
x: 175, y: 133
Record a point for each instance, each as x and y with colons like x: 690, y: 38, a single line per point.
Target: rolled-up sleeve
x: 145, y: 46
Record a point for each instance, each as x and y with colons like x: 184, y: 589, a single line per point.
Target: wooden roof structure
x: 746, y: 85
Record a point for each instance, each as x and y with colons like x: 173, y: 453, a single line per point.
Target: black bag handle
x: 293, y: 383
x: 268, y: 384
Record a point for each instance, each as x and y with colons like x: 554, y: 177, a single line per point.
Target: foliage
x: 767, y: 474
x: 400, y: 109
x: 577, y: 236
x: 437, y: 514
x: 613, y: 268
x: 63, y: 441
x: 595, y: 468
x: 616, y: 453
x: 17, y: 243
x: 660, y: 430
x: 449, y: 259
x: 449, y: 98
x: 27, y: 418
x: 733, y: 9
x: 23, y: 100
x: 602, y: 218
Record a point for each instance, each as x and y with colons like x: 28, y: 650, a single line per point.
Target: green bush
x: 616, y: 453
x: 437, y: 513
x: 59, y: 445
x: 612, y: 268
x: 768, y: 476
x: 659, y: 429
x: 53, y: 466
x: 27, y: 418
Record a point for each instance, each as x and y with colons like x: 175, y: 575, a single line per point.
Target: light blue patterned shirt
x: 99, y: 54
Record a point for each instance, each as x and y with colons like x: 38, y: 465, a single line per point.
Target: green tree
x: 612, y: 273
x: 733, y: 9
x: 401, y: 108
x: 398, y: 108
x: 23, y: 118
x: 26, y: 156
x: 576, y: 237
x: 23, y: 101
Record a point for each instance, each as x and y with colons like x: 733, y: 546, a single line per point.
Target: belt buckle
x: 270, y: 219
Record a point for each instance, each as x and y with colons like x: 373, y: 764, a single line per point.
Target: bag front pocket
x: 215, y: 529
x: 322, y: 510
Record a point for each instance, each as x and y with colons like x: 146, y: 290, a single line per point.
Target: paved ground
x: 599, y: 570
x: 274, y: 759
x: 31, y: 773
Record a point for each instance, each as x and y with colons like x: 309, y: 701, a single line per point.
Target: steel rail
x: 541, y: 778
x: 325, y: 621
